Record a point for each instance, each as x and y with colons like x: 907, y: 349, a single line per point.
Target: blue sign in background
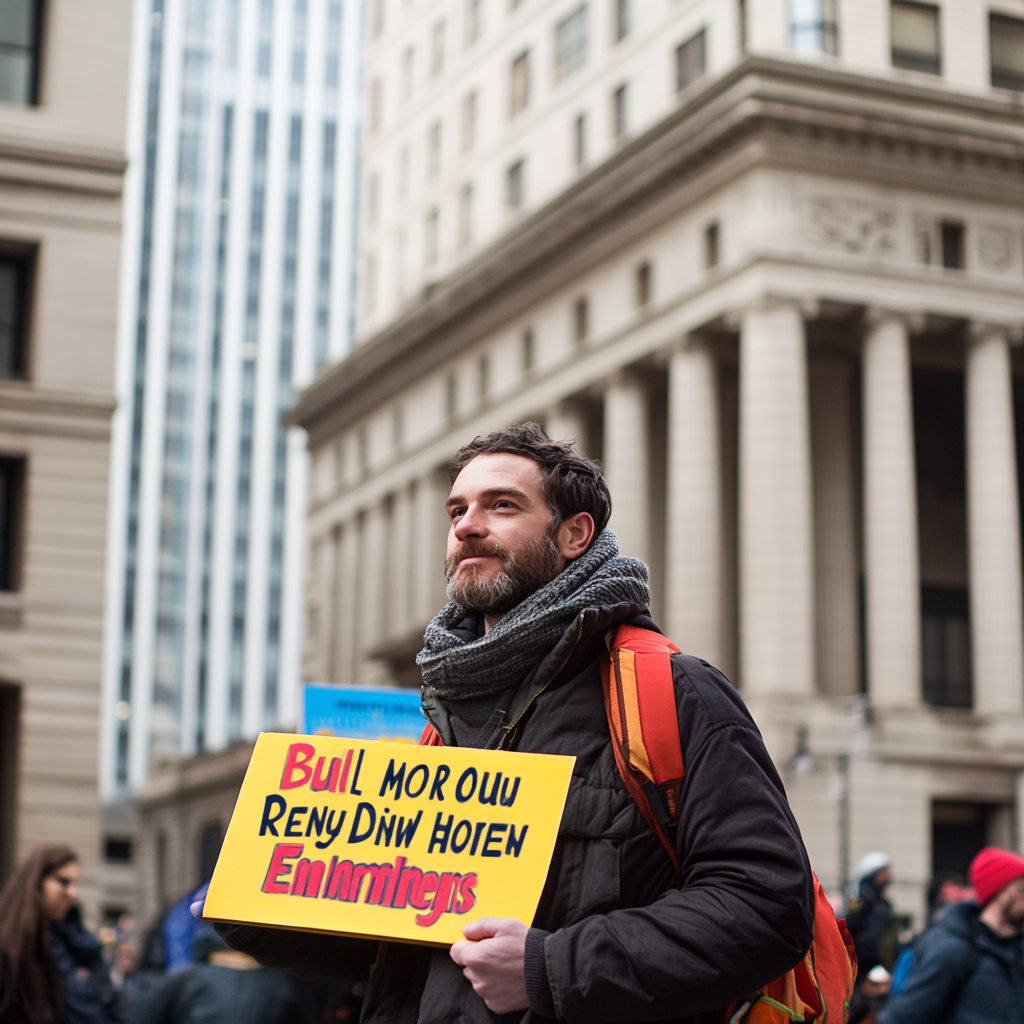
x: 362, y: 712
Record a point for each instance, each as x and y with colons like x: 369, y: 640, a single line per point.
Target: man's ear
x: 575, y: 535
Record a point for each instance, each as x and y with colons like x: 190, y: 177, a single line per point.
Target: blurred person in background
x: 870, y: 916
x: 969, y: 966
x: 226, y: 987
x: 52, y: 970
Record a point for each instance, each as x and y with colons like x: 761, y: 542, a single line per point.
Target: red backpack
x: 640, y: 702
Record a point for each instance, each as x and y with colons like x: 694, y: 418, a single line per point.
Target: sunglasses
x: 64, y: 882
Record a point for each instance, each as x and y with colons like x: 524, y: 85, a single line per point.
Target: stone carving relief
x: 856, y: 226
x: 995, y: 247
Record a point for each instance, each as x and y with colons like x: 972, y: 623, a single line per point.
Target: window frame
x: 684, y: 48
x: 13, y: 476
x: 1002, y: 77
x: 916, y: 60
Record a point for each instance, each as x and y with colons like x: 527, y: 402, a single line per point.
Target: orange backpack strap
x: 430, y: 737
x: 640, y: 701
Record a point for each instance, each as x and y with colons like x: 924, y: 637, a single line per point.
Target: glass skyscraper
x: 236, y: 288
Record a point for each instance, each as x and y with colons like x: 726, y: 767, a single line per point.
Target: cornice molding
x: 763, y: 112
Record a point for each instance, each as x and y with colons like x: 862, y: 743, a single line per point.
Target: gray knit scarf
x: 457, y: 669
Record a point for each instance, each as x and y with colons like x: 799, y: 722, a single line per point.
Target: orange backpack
x: 640, y: 702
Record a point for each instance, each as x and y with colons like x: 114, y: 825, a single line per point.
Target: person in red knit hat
x: 969, y: 967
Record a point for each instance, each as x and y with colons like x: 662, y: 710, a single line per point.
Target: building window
x: 620, y: 123
x: 474, y: 21
x: 812, y: 26
x: 1006, y: 46
x: 643, y: 284
x: 117, y: 850
x: 465, y: 215
x: 451, y: 396
x: 690, y: 60
x: 622, y: 20
x: 579, y: 148
x: 712, y: 255
x: 12, y: 479
x: 484, y: 378
x: 371, y: 285
x: 946, y: 647
x: 469, y: 122
x: 514, y: 185
x: 19, y: 51
x: 915, y: 37
x: 571, y: 43
x: 377, y: 19
x: 520, y: 83
x: 952, y: 235
x: 432, y: 237
x: 437, y: 50
x: 434, y: 150
x: 373, y: 198
x: 376, y: 104
x: 363, y: 442
x: 408, y: 67
x: 529, y: 351
x: 13, y: 302
x: 397, y: 426
x: 581, y: 320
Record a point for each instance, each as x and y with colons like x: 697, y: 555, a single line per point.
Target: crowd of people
x: 54, y: 971
x: 965, y: 967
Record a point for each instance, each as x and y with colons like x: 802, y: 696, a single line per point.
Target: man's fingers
x: 485, y: 928
x: 459, y: 950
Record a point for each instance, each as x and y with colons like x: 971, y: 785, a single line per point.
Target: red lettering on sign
x: 279, y: 869
x: 298, y: 760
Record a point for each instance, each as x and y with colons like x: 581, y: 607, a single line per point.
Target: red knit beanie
x: 992, y: 870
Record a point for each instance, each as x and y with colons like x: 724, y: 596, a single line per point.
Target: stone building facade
x: 63, y: 84
x: 784, y: 312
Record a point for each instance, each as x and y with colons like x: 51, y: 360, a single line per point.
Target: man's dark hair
x: 572, y: 483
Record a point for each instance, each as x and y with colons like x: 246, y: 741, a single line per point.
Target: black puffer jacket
x: 87, y: 995
x: 616, y: 938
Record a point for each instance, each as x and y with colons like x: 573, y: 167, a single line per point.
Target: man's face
x: 501, y: 547
x: 1012, y: 898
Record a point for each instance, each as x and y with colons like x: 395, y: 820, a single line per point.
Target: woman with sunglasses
x: 51, y: 969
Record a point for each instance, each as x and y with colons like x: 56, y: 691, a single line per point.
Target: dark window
x: 952, y: 245
x: 581, y: 320
x: 1006, y: 47
x: 620, y: 122
x: 117, y: 850
x: 10, y: 728
x: 19, y: 51
x: 711, y: 245
x: 741, y: 17
x: 13, y: 292
x: 529, y: 351
x: 643, y: 284
x: 959, y: 833
x: 520, y: 82
x: 915, y: 37
x: 12, y: 480
x: 210, y: 840
x: 622, y: 19
x: 690, y: 61
x: 946, y: 647
x: 580, y: 139
x: 514, y: 185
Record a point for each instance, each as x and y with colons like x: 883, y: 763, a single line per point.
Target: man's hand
x: 492, y: 961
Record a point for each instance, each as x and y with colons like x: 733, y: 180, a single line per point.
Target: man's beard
x: 521, y: 574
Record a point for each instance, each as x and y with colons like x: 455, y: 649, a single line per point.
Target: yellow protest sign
x: 386, y: 840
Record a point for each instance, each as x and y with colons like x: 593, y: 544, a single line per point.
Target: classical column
x: 626, y: 463
x: 693, y: 519
x: 775, y: 524
x: 891, y: 569
x: 836, y: 521
x: 564, y: 423
x: 993, y: 517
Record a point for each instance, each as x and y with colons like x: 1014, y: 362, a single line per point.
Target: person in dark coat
x: 969, y: 966
x: 222, y: 987
x: 535, y: 585
x: 51, y: 969
x: 870, y: 917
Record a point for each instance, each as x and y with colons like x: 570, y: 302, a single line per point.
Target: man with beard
x: 969, y: 966
x: 536, y: 586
